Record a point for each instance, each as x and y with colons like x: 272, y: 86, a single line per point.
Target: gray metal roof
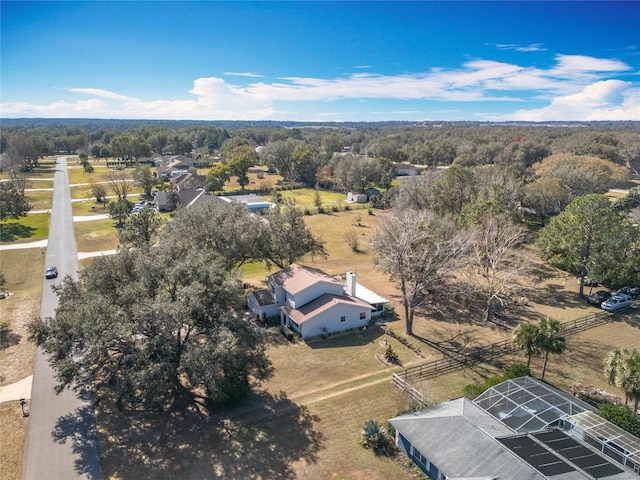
x: 459, y: 438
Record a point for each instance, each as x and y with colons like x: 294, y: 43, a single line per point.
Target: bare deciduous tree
x: 501, y: 265
x: 120, y: 183
x: 418, y: 250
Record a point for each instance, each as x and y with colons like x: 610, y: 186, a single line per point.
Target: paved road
x: 61, y: 437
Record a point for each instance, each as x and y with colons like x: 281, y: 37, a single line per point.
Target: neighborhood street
x: 61, y: 438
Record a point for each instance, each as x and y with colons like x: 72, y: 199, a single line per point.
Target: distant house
x: 312, y: 303
x: 187, y: 198
x: 354, y: 197
x: 182, y: 160
x: 634, y: 166
x: 253, y: 202
x: 521, y: 429
x: 406, y: 169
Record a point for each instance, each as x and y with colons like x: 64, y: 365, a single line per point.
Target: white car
x: 617, y: 302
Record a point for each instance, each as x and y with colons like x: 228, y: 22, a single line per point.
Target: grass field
x: 96, y: 236
x: 29, y: 228
x: 39, y: 200
x: 23, y: 271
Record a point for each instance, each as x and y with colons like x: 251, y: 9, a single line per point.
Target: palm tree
x: 374, y: 435
x: 612, y: 364
x: 525, y: 337
x: 623, y: 370
x: 550, y: 340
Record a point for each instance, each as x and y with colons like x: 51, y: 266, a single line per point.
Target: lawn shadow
x: 362, y: 336
x: 8, y: 338
x: 11, y: 231
x: 260, y: 439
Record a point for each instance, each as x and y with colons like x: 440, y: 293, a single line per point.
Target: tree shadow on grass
x: 260, y: 440
x: 11, y: 231
x: 8, y: 338
x: 359, y: 337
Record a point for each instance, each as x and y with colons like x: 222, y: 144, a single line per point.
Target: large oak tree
x: 158, y: 326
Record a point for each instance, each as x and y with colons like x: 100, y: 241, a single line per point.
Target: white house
x: 355, y: 197
x: 313, y: 303
x: 406, y: 169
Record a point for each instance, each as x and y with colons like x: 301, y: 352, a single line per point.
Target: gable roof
x: 321, y: 304
x: 457, y: 430
x: 296, y: 278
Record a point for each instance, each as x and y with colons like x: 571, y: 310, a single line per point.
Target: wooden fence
x: 457, y: 360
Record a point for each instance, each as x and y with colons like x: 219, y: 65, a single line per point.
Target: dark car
x: 51, y: 272
x: 631, y: 291
x: 598, y: 297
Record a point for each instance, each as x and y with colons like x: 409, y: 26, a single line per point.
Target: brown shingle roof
x: 321, y: 304
x: 296, y: 278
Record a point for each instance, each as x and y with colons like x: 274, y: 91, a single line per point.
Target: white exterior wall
x: 357, y: 197
x: 312, y: 292
x: 263, y: 311
x: 330, y: 319
x: 278, y: 293
x: 253, y: 305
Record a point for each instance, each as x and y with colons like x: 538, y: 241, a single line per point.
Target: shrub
x: 352, y: 239
x: 390, y: 354
x: 374, y: 436
x: 472, y: 390
x: 516, y: 371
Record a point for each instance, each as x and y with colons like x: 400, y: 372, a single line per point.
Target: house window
x: 343, y: 319
x: 363, y: 315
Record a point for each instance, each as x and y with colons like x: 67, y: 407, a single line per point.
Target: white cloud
x: 242, y: 74
x: 98, y: 92
x: 604, y: 100
x: 534, y: 47
x: 577, y: 86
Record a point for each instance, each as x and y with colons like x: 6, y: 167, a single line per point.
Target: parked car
x: 51, y: 272
x: 598, y: 297
x: 633, y: 292
x: 616, y: 302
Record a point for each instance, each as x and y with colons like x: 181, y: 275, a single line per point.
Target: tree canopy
x: 154, y: 326
x: 13, y: 203
x: 591, y: 237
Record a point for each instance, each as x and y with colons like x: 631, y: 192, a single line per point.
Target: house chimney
x: 351, y: 284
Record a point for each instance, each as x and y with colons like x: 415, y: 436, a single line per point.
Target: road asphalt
x: 61, y: 438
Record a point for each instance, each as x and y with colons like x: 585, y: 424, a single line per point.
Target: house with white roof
x: 313, y: 303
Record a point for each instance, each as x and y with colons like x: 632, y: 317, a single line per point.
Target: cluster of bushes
x: 473, y: 390
x: 403, y: 341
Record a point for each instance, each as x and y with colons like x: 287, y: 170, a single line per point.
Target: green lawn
x: 96, y: 236
x: 29, y: 228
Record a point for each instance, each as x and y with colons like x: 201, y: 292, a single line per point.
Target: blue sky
x: 321, y: 61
